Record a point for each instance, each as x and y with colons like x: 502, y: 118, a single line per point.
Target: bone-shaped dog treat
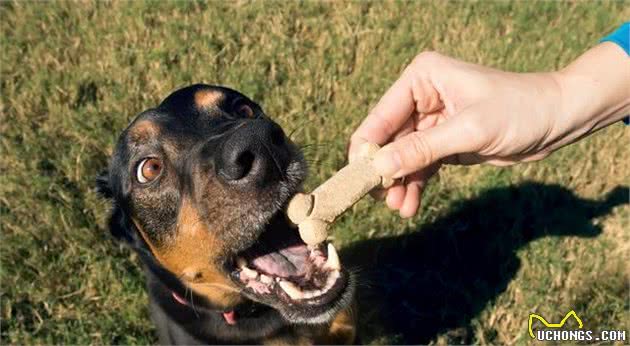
x: 315, y: 211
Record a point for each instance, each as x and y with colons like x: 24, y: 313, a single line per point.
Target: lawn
x: 490, y: 246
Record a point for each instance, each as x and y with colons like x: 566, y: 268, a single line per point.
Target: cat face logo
x: 552, y: 325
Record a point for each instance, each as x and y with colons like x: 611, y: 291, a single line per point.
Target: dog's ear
x: 119, y: 224
x: 120, y: 227
x: 103, y: 186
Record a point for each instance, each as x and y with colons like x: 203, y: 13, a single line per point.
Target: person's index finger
x: 389, y: 114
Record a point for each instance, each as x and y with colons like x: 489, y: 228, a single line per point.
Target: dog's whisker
x: 313, y: 160
x: 192, y: 302
x: 210, y: 284
x: 299, y: 126
x: 312, y: 149
x: 311, y: 145
x: 309, y: 152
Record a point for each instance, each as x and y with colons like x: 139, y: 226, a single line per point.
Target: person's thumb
x: 419, y: 149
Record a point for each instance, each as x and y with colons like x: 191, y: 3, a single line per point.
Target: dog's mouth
x: 307, y: 284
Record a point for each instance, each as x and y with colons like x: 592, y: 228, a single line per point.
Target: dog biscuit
x: 314, y: 212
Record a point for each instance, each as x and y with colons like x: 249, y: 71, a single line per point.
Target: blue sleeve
x: 621, y: 37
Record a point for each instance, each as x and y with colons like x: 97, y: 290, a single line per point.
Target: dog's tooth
x: 291, y: 289
x: 250, y: 273
x: 333, y: 258
x: 313, y: 293
x: 317, y: 293
x: 241, y: 262
x: 266, y: 279
x: 331, y: 279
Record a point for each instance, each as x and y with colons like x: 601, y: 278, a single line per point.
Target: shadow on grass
x: 437, y: 279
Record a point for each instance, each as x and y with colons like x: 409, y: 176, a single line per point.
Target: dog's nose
x: 257, y: 152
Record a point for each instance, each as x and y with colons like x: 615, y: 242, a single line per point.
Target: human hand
x: 442, y: 110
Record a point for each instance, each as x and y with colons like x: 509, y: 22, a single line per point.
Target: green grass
x: 490, y: 246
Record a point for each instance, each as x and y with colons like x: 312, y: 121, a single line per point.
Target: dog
x: 198, y: 187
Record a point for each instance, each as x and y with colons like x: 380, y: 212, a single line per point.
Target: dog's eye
x: 245, y: 111
x: 148, y: 170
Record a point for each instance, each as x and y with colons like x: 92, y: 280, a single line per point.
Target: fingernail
x: 387, y: 163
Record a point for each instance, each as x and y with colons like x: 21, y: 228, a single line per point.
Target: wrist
x: 549, y: 106
x: 593, y: 91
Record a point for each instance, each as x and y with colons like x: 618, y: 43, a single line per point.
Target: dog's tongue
x: 280, y: 252
x: 287, y: 262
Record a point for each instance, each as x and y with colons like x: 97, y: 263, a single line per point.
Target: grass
x: 490, y: 246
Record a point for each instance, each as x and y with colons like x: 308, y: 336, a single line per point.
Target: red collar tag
x: 230, y: 317
x: 179, y: 299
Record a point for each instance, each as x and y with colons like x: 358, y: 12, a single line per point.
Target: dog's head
x: 199, y: 185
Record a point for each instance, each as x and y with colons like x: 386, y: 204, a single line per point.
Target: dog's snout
x: 257, y: 152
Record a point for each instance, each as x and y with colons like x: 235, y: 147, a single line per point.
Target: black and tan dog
x: 198, y: 186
